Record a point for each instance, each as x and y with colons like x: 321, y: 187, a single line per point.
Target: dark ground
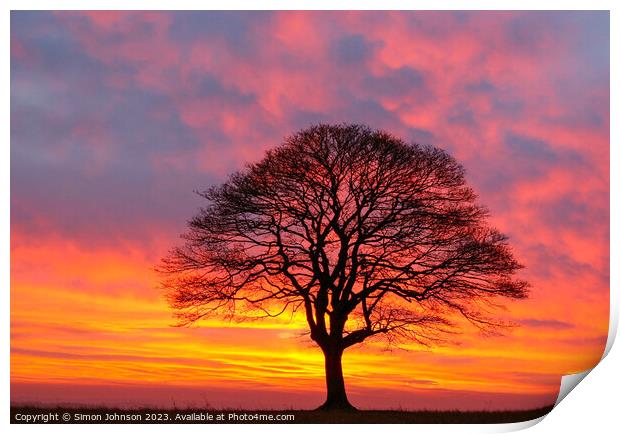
x: 58, y: 415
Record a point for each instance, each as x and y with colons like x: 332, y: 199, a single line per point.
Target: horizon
x: 117, y: 117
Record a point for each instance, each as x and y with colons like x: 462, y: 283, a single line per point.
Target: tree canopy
x: 366, y: 235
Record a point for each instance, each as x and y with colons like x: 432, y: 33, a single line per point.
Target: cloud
x: 546, y: 323
x: 117, y: 117
x: 353, y: 49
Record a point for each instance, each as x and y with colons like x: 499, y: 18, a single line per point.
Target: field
x: 39, y: 414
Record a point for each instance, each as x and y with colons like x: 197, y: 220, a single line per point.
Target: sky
x: 118, y: 117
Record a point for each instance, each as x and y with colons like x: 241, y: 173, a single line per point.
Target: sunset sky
x: 117, y: 117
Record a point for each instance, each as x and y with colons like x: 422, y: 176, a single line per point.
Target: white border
x: 590, y: 408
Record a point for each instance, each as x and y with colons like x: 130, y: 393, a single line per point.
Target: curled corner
x: 569, y: 382
x: 519, y: 426
x: 613, y: 324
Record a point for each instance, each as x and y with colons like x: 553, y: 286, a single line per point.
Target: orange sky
x: 118, y: 117
x: 94, y: 318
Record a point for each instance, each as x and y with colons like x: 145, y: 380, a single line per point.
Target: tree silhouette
x: 366, y: 235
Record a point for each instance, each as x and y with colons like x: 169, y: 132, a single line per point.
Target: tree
x: 364, y: 234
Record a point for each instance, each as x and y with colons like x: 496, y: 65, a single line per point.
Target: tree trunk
x: 336, y: 393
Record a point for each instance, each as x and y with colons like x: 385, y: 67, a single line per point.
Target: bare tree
x: 364, y: 234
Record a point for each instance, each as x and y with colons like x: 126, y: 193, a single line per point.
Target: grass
x: 19, y: 414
